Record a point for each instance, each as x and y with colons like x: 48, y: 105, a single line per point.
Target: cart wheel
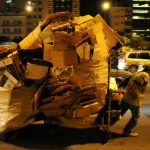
x: 106, y: 137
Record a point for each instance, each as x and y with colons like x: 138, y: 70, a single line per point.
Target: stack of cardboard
x: 72, y: 55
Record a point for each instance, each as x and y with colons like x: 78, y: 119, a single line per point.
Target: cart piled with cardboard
x: 66, y: 66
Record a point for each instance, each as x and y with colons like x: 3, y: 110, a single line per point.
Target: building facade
x: 12, y: 25
x: 141, y: 18
x: 121, y: 19
x: 35, y: 11
x: 73, y: 6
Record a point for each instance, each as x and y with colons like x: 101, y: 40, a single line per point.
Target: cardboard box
x: 96, y: 28
x: 81, y: 50
x: 82, y: 112
x: 53, y: 112
x: 13, y: 46
x: 48, y: 106
x: 36, y: 72
x: 64, y: 58
x: 85, y: 25
x: 46, y: 37
x: 12, y: 54
x: 110, y: 36
x: 8, y: 81
x: 4, y: 48
x: 48, y: 52
x: 64, y: 41
x: 87, y: 52
x: 30, y: 53
x: 8, y: 64
x: 56, y: 19
x: 31, y: 41
x: 82, y: 19
x: 100, y: 51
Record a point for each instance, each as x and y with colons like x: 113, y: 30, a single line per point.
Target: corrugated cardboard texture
x: 48, y: 52
x: 31, y: 41
x: 64, y: 58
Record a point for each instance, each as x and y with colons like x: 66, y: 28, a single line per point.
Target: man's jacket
x: 136, y: 94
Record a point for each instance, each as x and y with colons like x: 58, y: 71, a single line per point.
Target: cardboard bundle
x: 72, y: 57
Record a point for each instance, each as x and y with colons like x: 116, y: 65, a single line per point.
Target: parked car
x: 130, y: 60
x: 119, y: 75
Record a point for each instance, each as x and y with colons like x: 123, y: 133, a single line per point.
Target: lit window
x: 62, y: 0
x: 141, y: 11
x: 141, y: 0
x: 138, y: 5
x: 9, y: 1
x: 29, y: 2
x: 141, y: 30
x: 139, y: 17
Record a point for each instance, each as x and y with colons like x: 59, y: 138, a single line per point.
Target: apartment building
x: 141, y: 18
x: 121, y: 19
x: 12, y: 25
x: 64, y: 5
x: 34, y: 12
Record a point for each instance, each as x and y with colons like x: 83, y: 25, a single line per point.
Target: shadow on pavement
x: 39, y: 137
x: 145, y: 109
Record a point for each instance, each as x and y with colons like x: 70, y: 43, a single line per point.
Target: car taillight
x: 124, y: 60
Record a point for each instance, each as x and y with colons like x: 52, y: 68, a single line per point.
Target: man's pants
x: 135, y: 111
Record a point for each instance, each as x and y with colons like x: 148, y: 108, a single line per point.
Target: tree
x: 139, y: 43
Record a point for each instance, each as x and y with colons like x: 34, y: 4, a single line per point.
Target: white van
x: 131, y: 60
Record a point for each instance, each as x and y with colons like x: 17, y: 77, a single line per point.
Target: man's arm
x: 132, y: 85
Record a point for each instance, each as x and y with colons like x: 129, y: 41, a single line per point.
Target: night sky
x: 91, y: 7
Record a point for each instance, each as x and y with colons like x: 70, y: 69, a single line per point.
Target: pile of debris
x: 61, y: 68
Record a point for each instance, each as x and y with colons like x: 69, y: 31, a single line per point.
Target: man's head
x: 147, y: 69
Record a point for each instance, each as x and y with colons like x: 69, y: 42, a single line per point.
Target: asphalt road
x: 36, y: 136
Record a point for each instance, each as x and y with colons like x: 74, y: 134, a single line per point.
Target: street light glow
x: 29, y: 8
x: 106, y: 5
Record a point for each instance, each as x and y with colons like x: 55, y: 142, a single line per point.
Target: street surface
x: 37, y: 137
